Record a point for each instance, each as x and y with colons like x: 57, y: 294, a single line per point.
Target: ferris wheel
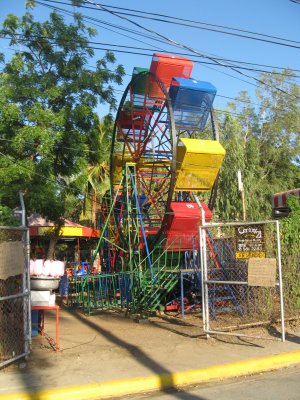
x: 161, y: 152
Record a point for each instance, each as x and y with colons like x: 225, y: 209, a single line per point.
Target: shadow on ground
x: 174, y: 325
x: 138, y: 354
x: 289, y: 337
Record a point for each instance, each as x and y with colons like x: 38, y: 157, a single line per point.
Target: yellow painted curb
x: 121, y: 387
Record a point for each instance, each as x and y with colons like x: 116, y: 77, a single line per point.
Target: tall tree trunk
x: 54, y: 236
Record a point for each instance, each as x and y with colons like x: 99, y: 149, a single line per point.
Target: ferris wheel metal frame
x: 149, y: 138
x: 144, y: 194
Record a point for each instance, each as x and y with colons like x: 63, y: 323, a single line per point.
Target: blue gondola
x: 192, y: 101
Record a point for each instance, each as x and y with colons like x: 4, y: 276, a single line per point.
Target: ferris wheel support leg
x: 106, y: 223
x: 142, y: 227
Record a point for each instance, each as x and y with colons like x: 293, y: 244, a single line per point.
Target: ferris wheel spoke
x: 144, y: 131
x: 151, y: 199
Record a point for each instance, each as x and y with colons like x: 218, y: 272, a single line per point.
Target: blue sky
x: 279, y: 18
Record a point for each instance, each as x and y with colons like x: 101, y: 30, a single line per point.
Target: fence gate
x: 15, y: 317
x: 241, y: 278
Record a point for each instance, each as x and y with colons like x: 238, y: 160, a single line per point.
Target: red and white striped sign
x: 279, y: 199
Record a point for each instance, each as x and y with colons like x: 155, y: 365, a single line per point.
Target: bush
x: 290, y: 251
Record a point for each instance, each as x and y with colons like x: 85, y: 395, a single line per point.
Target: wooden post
x: 241, y: 189
x: 243, y: 205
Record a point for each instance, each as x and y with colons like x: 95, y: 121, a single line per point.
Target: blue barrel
x: 34, y: 322
x: 63, y: 285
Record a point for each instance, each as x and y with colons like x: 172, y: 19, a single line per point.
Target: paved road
x: 277, y: 385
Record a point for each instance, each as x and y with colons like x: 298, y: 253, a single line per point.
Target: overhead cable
x: 181, y: 45
x: 113, y: 47
x: 191, y: 24
x: 149, y: 37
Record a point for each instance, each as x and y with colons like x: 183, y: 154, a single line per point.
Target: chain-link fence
x: 241, y: 277
x: 15, y: 321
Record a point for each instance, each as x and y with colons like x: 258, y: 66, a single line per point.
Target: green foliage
x: 229, y: 202
x: 30, y: 4
x: 6, y: 217
x: 48, y: 123
x: 264, y: 144
x: 266, y: 151
x: 97, y: 178
x: 290, y: 228
x: 290, y: 250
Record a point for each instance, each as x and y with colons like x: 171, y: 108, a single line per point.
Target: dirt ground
x: 110, y: 345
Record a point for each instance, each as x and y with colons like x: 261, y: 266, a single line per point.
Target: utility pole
x: 241, y: 189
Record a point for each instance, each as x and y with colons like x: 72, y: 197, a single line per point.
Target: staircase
x: 152, y: 290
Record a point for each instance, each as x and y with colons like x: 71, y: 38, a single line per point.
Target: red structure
x: 279, y: 202
x: 165, y: 67
x: 182, y: 229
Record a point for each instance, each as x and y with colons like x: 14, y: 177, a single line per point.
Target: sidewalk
x: 111, y: 355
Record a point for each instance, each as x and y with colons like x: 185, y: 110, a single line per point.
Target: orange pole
x: 57, y: 329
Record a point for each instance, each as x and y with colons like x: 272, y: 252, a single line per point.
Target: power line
x: 146, y: 15
x: 230, y: 112
x: 121, y: 92
x: 181, y: 45
x: 195, y: 61
x: 61, y: 147
x: 205, y: 23
x: 100, y: 23
x: 115, y: 49
x: 218, y: 95
x: 14, y: 160
x: 176, y: 44
x: 215, y: 63
x: 237, y: 100
x: 151, y: 37
x: 173, y: 43
x: 62, y: 185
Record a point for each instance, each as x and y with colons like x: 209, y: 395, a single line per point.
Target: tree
x: 280, y: 133
x: 97, y: 177
x: 245, y: 113
x: 290, y: 241
x: 263, y: 144
x: 229, y: 204
x: 47, y: 111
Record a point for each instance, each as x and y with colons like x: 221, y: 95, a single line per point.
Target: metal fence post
x: 280, y: 281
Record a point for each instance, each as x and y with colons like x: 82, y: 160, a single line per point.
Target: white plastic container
x: 39, y: 264
x: 52, y: 299
x: 60, y: 268
x: 32, y: 267
x: 40, y: 298
x: 47, y: 269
